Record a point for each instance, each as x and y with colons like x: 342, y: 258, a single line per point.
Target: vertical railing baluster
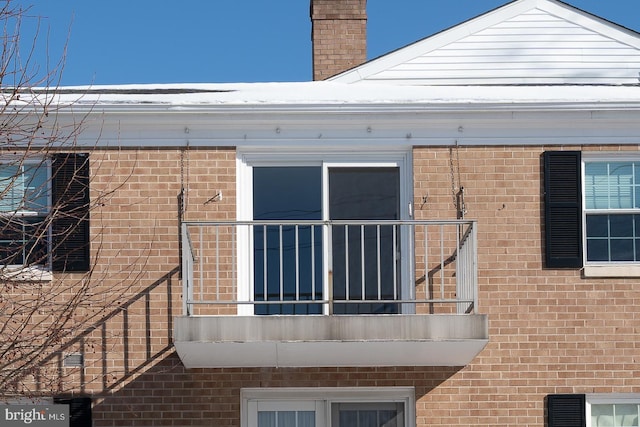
x: 281, y: 277
x: 297, y: 267
x: 217, y: 236
x: 378, y: 259
x: 412, y: 265
x: 346, y: 261
x: 362, y: 267
x: 264, y: 265
x: 442, y: 261
x: 394, y: 236
x: 202, y: 262
x: 313, y: 263
x: 233, y: 260
x: 427, y: 290
x: 461, y: 287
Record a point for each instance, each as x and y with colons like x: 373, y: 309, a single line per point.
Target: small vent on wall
x: 73, y: 360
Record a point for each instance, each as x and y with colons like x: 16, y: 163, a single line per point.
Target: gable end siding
x: 535, y: 47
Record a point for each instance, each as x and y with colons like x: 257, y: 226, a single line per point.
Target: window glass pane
x: 23, y: 240
x: 368, y: 419
x: 602, y: 415
x: 348, y: 418
x: 266, y: 419
x: 306, y: 419
x: 286, y: 419
x: 36, y: 185
x: 596, y: 186
x: 622, y: 250
x: 380, y: 414
x: 621, y: 225
x: 597, y: 250
x: 11, y: 188
x: 621, y: 185
x: 597, y: 226
x: 373, y: 194
x: 626, y: 415
x: 288, y: 259
x: 24, y: 187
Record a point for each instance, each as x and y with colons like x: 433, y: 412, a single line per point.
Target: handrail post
x: 187, y: 269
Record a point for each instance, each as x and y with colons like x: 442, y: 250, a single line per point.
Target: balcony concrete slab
x: 329, y: 341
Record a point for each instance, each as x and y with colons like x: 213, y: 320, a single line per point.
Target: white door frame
x: 247, y: 159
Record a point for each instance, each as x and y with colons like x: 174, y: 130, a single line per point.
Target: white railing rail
x: 329, y: 267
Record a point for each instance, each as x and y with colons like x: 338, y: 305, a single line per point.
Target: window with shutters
x: 612, y: 210
x: 592, y: 213
x: 44, y: 214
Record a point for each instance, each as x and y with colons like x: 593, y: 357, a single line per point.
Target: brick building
x: 445, y: 235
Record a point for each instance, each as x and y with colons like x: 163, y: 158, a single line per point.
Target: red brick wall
x: 551, y: 331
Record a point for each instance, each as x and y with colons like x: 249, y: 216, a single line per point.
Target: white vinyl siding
x: 531, y: 42
x: 532, y: 48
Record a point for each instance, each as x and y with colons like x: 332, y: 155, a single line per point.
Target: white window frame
x: 41, y: 272
x: 610, y: 398
x: 600, y: 268
x: 321, y: 398
x: 247, y: 159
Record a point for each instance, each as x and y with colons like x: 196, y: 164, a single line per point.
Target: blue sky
x: 191, y: 41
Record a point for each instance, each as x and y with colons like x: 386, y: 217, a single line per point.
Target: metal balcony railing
x: 329, y: 267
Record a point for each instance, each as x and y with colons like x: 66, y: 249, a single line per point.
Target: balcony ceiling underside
x: 329, y: 341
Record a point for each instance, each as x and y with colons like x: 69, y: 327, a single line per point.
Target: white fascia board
x: 369, y: 131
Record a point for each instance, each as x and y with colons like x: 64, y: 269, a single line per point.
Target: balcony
x: 329, y: 293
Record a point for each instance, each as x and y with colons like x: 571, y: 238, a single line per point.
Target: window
x: 592, y: 212
x: 24, y: 206
x: 614, y: 414
x: 612, y: 210
x: 44, y: 212
x: 328, y: 407
x: 613, y: 410
x: 373, y: 414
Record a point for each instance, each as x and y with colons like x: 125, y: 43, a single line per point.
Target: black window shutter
x: 79, y: 410
x: 70, y: 225
x: 563, y: 209
x: 566, y: 410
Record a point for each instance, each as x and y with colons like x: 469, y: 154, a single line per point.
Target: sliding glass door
x: 298, y: 257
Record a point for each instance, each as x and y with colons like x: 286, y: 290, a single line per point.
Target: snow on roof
x: 323, y: 93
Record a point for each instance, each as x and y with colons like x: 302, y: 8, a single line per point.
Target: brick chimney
x: 338, y: 35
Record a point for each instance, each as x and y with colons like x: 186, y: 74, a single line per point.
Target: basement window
x: 329, y: 407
